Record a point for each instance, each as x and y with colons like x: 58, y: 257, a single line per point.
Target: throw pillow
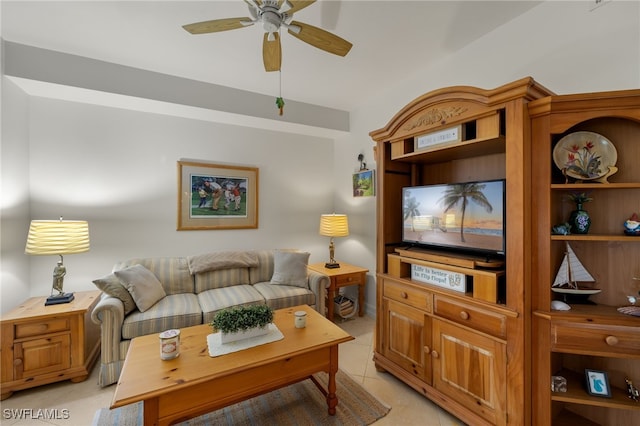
x: 144, y: 287
x: 290, y: 268
x: 112, y: 286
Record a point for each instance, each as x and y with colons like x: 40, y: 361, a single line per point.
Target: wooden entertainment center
x: 472, y: 351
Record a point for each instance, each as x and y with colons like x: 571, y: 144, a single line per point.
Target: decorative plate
x: 585, y: 155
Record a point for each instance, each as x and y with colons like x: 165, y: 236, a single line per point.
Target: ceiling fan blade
x: 217, y: 25
x: 271, y: 52
x: 297, y: 5
x: 320, y: 38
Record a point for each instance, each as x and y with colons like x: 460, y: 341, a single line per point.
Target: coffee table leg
x: 151, y: 411
x: 332, y: 399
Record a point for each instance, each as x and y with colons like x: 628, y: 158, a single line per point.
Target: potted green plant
x: 242, y: 322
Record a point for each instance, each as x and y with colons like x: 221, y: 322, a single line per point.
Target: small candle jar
x: 169, y: 344
x: 300, y: 319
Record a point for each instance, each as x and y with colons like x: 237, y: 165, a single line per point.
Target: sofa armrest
x: 318, y: 283
x: 109, y: 314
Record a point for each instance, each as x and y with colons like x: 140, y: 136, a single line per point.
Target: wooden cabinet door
x: 408, y: 338
x: 471, y: 369
x: 40, y: 356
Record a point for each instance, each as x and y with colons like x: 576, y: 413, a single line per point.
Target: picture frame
x: 364, y: 183
x: 597, y: 383
x: 216, y: 196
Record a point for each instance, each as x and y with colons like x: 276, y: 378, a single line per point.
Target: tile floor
x: 82, y: 400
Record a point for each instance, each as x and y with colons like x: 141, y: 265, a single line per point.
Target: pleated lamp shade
x: 48, y: 237
x: 334, y: 225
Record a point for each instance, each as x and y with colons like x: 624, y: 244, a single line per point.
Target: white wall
x: 562, y: 45
x: 117, y: 169
x: 14, y: 202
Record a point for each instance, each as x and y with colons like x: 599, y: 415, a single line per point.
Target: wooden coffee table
x: 195, y: 383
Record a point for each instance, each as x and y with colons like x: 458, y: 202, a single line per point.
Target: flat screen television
x: 466, y: 217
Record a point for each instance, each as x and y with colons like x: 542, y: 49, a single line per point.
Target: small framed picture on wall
x: 364, y: 183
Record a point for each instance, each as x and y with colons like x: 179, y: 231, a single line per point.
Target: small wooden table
x: 344, y: 276
x: 195, y: 383
x: 45, y: 344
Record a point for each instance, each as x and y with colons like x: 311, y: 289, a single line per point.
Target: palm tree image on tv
x: 461, y: 195
x: 410, y: 209
x: 465, y: 216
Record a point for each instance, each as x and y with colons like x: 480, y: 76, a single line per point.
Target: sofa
x: 149, y: 295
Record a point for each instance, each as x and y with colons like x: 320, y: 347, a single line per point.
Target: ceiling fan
x: 274, y: 14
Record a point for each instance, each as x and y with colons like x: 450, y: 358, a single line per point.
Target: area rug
x: 298, y: 404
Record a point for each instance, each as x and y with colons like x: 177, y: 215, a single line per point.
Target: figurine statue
x: 562, y: 229
x: 58, y: 276
x: 633, y: 392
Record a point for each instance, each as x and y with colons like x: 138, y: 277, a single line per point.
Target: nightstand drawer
x: 39, y: 328
x: 420, y: 299
x: 479, y: 319
x: 594, y: 339
x: 349, y: 279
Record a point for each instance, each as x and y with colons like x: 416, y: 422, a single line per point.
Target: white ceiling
x: 390, y: 39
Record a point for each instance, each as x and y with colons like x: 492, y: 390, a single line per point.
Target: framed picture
x: 364, y: 183
x: 216, y: 196
x: 597, y: 383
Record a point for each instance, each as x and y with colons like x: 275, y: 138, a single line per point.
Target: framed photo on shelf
x: 364, y: 183
x: 216, y: 196
x: 597, y: 383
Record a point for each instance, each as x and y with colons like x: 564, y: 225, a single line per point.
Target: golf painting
x: 216, y: 196
x: 220, y: 196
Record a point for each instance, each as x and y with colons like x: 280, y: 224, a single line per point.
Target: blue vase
x: 579, y: 220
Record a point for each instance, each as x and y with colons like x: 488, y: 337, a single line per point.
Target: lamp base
x: 332, y: 265
x: 59, y: 298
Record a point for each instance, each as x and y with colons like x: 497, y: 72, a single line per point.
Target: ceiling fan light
x: 271, y: 21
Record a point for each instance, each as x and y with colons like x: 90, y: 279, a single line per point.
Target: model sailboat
x: 570, y: 273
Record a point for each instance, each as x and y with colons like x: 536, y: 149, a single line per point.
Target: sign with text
x: 441, y: 137
x: 446, y: 279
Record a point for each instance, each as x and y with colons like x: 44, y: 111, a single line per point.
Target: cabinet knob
x: 435, y: 354
x: 464, y: 315
x: 17, y: 362
x: 611, y: 340
x: 404, y: 295
x: 427, y: 349
x: 350, y: 279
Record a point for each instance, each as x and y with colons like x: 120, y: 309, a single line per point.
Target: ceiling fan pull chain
x: 279, y: 100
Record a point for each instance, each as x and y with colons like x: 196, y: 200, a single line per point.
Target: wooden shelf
x: 597, y: 237
x: 576, y: 394
x: 465, y: 149
x: 574, y: 186
x: 568, y: 418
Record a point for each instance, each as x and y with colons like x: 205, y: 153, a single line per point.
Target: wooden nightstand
x: 46, y: 344
x: 344, y: 276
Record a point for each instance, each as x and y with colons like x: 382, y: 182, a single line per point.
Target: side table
x: 45, y: 344
x: 344, y: 276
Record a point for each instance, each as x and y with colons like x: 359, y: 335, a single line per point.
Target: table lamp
x: 333, y: 225
x: 58, y: 237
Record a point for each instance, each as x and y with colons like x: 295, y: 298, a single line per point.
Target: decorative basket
x: 344, y: 306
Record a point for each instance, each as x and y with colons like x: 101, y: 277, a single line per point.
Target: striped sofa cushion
x: 174, y: 311
x: 211, y: 301
x: 221, y: 278
x: 285, y: 296
x: 172, y: 272
x: 264, y: 271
